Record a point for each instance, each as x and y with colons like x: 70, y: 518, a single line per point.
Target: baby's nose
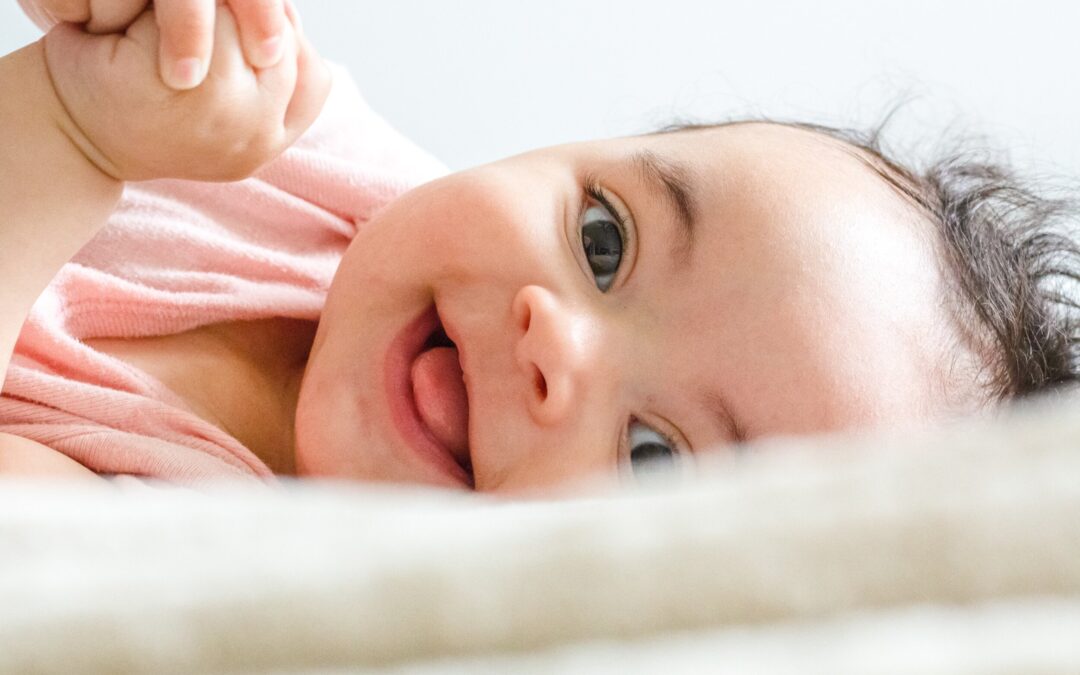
x: 555, y: 348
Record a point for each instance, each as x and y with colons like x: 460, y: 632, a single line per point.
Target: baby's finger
x: 313, y: 80
x: 262, y: 24
x: 114, y: 16
x: 48, y: 13
x: 187, y: 40
x: 294, y: 17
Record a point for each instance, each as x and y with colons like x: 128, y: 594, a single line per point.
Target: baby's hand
x: 133, y: 127
x: 187, y: 29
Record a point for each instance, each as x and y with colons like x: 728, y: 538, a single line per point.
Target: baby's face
x: 762, y: 281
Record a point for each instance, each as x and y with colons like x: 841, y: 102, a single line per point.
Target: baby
x: 579, y: 311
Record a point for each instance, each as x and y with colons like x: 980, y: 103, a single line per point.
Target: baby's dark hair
x: 1010, y: 253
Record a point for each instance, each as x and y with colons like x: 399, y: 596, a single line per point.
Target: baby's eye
x: 650, y: 451
x: 602, y: 241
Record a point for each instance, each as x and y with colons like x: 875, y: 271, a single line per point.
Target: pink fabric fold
x: 177, y: 255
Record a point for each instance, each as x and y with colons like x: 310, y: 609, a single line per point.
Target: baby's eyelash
x: 669, y: 439
x: 594, y: 191
x: 624, y: 220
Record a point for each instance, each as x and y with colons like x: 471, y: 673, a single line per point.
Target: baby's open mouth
x: 440, y: 394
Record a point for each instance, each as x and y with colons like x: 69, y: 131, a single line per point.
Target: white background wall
x: 473, y: 80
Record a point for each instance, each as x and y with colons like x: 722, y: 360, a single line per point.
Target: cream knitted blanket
x: 954, y: 550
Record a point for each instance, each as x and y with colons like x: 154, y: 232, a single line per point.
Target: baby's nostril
x: 541, y: 384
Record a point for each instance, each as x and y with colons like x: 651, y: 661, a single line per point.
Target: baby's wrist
x: 31, y: 70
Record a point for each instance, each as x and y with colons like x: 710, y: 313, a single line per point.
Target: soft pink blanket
x: 176, y: 255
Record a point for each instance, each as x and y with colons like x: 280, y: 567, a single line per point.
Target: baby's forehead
x: 771, y: 145
x: 780, y: 161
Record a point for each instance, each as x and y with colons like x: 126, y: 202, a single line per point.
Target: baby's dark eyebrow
x: 674, y: 181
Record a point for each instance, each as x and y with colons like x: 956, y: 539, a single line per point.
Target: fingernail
x: 269, y: 51
x: 186, y: 73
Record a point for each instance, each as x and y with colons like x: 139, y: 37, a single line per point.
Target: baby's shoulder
x: 22, y: 457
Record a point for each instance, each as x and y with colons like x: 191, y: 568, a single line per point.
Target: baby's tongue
x: 441, y: 398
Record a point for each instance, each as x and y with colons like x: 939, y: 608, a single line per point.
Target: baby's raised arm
x: 52, y: 198
x: 83, y: 113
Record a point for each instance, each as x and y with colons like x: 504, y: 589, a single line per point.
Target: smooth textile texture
x: 951, y: 551
x: 177, y: 255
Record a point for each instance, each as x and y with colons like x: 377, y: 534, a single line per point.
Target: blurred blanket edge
x: 978, y: 520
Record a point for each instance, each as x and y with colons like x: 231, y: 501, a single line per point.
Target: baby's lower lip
x: 404, y: 349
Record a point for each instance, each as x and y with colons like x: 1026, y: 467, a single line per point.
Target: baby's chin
x: 325, y: 424
x: 339, y: 438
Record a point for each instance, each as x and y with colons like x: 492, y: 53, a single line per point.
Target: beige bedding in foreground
x: 948, y: 551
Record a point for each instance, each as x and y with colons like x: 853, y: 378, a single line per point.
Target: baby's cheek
x: 513, y: 453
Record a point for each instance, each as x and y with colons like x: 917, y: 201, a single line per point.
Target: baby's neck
x: 258, y: 404
x: 243, y: 377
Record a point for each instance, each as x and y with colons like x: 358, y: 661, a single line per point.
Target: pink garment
x: 176, y: 255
